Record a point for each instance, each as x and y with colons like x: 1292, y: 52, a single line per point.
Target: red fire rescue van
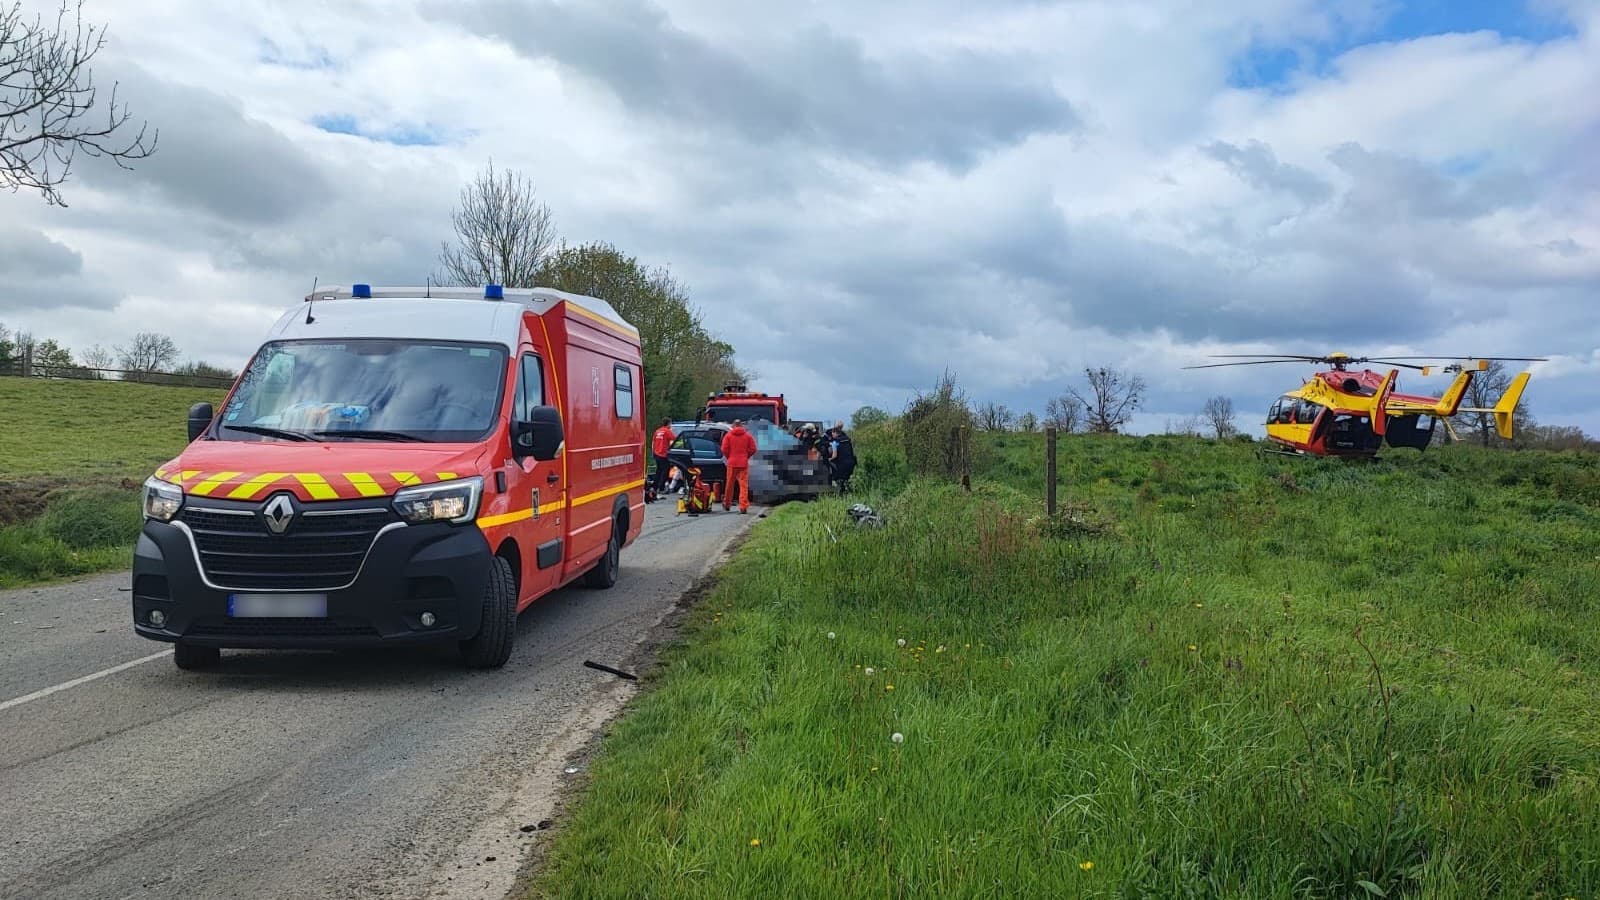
x: 397, y: 466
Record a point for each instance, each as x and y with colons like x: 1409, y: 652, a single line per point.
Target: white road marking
x: 36, y: 695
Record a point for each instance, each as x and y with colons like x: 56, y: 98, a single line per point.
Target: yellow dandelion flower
x: 1199, y: 605
x: 888, y: 687
x: 1193, y: 648
x: 1086, y: 865
x: 755, y: 842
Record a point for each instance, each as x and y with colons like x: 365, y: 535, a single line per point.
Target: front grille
x: 328, y: 628
x: 318, y: 552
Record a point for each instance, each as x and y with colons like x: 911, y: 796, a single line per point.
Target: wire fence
x: 19, y: 368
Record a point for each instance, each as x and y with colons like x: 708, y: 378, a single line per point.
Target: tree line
x: 148, y: 356
x: 1108, y: 398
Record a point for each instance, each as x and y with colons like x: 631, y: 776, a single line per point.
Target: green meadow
x: 72, y: 457
x: 1211, y: 675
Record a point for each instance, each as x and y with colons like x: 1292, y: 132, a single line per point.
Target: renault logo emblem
x: 278, y: 512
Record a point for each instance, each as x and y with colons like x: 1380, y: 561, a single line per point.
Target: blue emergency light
x: 494, y: 292
x: 361, y: 290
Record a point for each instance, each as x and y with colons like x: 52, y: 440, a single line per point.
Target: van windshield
x: 388, y: 390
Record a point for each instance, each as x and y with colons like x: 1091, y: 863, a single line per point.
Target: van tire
x: 604, y: 573
x: 491, y: 647
x: 191, y: 658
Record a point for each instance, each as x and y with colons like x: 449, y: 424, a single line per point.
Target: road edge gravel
x: 501, y: 855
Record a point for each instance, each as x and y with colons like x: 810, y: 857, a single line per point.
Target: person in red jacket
x: 738, y: 446
x: 659, y: 445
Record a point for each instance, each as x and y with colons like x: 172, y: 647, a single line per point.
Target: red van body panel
x: 553, y: 520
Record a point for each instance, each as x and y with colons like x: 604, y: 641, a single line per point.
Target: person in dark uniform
x: 841, y: 456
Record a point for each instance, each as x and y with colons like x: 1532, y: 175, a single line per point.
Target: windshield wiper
x: 376, y: 434
x: 271, y: 432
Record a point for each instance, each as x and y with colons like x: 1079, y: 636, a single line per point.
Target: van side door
x: 541, y: 537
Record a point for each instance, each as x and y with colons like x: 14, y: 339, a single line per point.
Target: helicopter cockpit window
x: 1306, y: 412
x: 1285, y: 411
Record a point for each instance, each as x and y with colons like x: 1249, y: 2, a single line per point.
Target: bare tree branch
x: 1113, y: 396
x: 503, y: 233
x: 1218, y: 413
x: 47, y: 96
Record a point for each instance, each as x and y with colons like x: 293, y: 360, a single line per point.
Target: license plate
x: 278, y: 606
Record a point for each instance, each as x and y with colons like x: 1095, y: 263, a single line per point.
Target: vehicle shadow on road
x: 547, y: 626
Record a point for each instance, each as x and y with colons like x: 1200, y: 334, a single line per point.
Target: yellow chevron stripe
x: 614, y: 326
x: 186, y: 475
x: 204, y: 488
x: 519, y: 515
x: 316, y: 486
x: 161, y: 473
x: 249, y: 489
x: 446, y: 476
x: 406, y: 478
x: 364, y: 484
x: 608, y: 492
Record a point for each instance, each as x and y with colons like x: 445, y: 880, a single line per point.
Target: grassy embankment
x: 72, y: 457
x: 1216, y: 676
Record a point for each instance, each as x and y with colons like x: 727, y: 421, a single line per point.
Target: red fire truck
x: 396, y: 466
x: 735, y: 401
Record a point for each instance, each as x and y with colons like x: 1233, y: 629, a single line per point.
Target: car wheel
x: 604, y: 573
x: 190, y: 657
x: 491, y: 647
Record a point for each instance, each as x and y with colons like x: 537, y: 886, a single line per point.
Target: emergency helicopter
x: 1352, y: 412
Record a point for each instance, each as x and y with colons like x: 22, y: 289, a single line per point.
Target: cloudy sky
x: 861, y: 195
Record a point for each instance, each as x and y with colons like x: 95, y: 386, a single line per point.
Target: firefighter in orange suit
x: 659, y: 445
x: 738, y: 446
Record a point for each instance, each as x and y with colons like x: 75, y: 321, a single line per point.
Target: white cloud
x: 863, y: 196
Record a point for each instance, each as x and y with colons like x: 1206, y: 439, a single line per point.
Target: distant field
x: 71, y: 456
x: 91, y: 429
x: 1214, y: 676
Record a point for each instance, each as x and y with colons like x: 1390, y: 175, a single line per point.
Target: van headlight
x: 454, y: 501
x: 162, y: 499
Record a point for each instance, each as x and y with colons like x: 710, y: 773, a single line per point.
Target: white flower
x: 869, y: 670
x: 897, y: 737
x: 901, y: 642
x: 831, y: 635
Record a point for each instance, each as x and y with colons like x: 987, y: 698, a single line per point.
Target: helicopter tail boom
x: 1451, y: 401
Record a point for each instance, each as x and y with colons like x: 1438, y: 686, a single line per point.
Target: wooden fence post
x: 965, y: 450
x: 1050, y: 471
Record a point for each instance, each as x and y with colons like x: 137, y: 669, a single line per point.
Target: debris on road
x: 604, y: 668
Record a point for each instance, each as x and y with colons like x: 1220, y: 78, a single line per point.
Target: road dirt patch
x: 508, y: 844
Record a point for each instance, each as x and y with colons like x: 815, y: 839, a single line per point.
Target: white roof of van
x: 449, y: 313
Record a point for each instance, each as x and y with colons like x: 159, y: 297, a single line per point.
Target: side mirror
x: 200, y: 416
x: 540, y: 437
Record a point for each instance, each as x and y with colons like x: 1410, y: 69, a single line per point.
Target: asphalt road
x: 301, y: 774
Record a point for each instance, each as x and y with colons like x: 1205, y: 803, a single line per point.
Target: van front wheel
x: 604, y: 573
x: 490, y: 648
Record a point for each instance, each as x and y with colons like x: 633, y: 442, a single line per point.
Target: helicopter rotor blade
x: 1254, y: 362
x: 1390, y: 362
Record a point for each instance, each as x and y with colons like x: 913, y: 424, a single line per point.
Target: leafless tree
x: 1063, y: 413
x: 1189, y: 425
x: 995, y: 417
x: 503, y: 232
x: 149, y: 352
x: 97, y: 357
x: 1113, y: 397
x: 1218, y: 413
x: 1027, y: 423
x: 47, y: 99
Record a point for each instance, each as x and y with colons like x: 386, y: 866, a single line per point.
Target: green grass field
x: 72, y: 454
x: 1213, y: 676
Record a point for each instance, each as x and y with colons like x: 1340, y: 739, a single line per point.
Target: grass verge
x: 1212, y: 677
